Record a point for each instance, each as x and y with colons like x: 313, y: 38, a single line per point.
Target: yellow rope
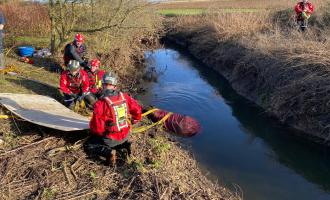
x: 144, y: 128
x: 13, y: 68
x: 4, y: 117
x: 73, y: 147
x: 10, y: 68
x: 149, y: 111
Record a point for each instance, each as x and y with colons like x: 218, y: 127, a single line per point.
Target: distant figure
x: 110, y: 125
x: 2, y: 25
x: 76, y: 50
x: 303, y: 9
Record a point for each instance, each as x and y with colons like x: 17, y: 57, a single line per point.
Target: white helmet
x: 109, y: 78
x: 73, y: 66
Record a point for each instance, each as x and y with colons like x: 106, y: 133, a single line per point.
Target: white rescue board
x: 44, y: 111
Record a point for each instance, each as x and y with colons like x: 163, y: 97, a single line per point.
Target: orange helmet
x: 79, y: 37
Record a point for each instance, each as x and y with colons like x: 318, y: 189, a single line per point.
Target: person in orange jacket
x: 110, y: 124
x: 95, y: 75
x: 303, y: 10
x: 74, y: 84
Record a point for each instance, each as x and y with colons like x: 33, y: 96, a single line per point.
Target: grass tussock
x: 268, y: 60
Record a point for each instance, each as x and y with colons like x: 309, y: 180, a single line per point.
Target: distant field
x: 228, y: 4
x: 198, y: 11
x: 184, y: 11
x: 191, y: 7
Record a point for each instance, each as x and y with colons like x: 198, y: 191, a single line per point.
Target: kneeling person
x: 109, y: 124
x: 95, y: 75
x: 75, y: 85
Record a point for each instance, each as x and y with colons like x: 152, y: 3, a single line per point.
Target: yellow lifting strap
x: 149, y: 111
x: 80, y: 105
x: 144, y: 128
x: 9, y: 69
x: 73, y: 147
x: 4, y: 117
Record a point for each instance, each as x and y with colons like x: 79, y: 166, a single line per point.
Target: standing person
x: 95, y: 75
x: 303, y: 10
x: 109, y: 125
x: 2, y: 25
x: 76, y: 50
x: 75, y: 86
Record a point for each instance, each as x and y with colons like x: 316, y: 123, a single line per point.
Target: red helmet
x: 95, y: 63
x: 79, y: 37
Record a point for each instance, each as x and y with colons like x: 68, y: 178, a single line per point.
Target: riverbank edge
x: 246, y: 80
x: 156, y: 162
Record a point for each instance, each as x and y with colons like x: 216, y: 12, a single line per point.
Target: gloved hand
x: 135, y: 121
x: 84, y: 65
x: 81, y: 98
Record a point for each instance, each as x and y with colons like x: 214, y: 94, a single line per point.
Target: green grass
x: 26, y: 40
x: 184, y: 11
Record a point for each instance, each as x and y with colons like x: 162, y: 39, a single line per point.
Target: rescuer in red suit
x: 110, y: 124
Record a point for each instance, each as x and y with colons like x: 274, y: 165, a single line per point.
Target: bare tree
x: 110, y: 17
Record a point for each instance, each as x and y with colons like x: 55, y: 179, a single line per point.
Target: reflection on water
x: 238, y: 143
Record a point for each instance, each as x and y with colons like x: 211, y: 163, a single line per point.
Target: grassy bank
x: 267, y: 60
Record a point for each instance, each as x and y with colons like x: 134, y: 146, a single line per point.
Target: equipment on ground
x: 26, y: 51
x: 43, y: 111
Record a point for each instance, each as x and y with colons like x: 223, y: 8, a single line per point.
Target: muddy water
x: 239, y: 145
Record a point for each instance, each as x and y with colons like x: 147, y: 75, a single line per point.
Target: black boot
x: 125, y: 150
x: 111, y: 158
x: 127, y: 146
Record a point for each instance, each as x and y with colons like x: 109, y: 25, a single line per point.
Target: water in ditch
x: 239, y: 145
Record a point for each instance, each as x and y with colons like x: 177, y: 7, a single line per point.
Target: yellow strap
x: 149, y: 111
x: 98, y: 82
x: 143, y: 114
x: 144, y: 128
x: 4, y: 117
x: 73, y: 147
